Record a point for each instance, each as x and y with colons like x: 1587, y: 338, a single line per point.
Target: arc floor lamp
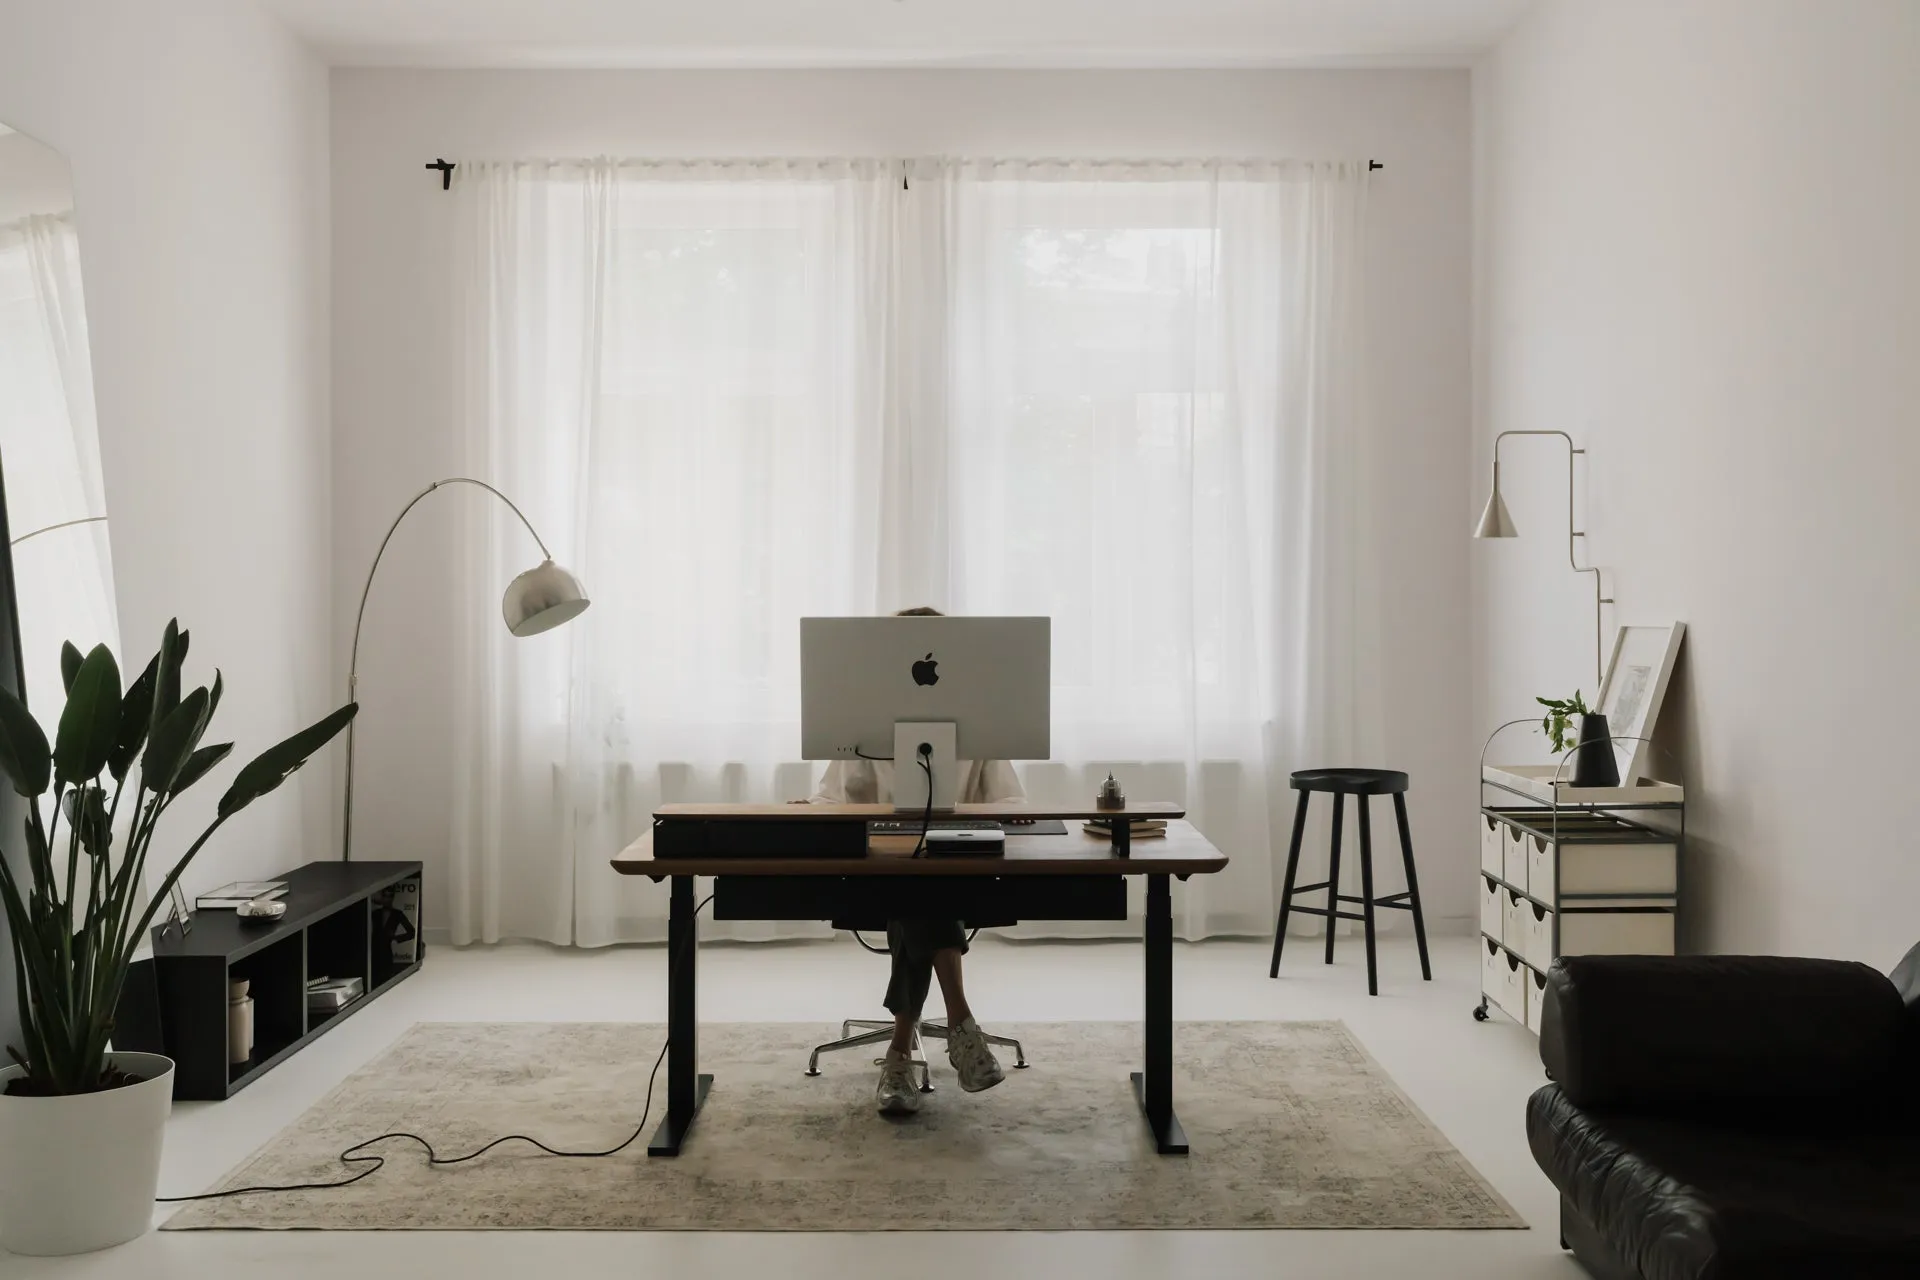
x: 1496, y: 523
x: 538, y: 600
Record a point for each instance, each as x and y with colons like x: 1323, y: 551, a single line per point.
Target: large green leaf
x: 69, y: 663
x: 91, y: 721
x: 166, y: 686
x: 86, y: 810
x: 197, y: 765
x: 173, y: 742
x: 274, y: 765
x: 136, y: 714
x: 24, y: 755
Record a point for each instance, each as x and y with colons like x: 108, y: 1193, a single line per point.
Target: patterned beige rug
x: 1292, y: 1125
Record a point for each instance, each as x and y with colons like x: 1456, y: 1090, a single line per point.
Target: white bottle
x: 239, y: 1022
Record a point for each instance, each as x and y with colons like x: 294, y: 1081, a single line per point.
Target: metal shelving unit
x: 1568, y: 870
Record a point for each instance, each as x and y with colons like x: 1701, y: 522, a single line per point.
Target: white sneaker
x: 897, y: 1095
x: 972, y: 1058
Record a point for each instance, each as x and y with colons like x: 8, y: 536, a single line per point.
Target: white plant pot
x: 80, y: 1173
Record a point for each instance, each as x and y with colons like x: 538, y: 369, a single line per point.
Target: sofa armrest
x: 1651, y: 1032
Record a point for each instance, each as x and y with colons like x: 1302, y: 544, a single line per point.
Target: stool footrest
x: 1399, y: 900
x: 1322, y: 911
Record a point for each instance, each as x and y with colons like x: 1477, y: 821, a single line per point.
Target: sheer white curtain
x: 1123, y: 395
x: 1151, y: 434
x: 50, y: 451
x: 679, y: 370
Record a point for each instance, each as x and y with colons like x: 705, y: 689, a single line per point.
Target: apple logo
x: 924, y: 673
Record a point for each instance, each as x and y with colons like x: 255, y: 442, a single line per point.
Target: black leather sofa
x: 1732, y: 1117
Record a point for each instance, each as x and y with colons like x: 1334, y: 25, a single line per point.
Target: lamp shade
x: 1494, y: 521
x: 541, y: 599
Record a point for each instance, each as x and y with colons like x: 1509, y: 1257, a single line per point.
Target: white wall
x: 392, y: 339
x: 197, y: 135
x: 1698, y: 250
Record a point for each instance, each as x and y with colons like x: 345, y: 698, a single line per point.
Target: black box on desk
x: 760, y: 838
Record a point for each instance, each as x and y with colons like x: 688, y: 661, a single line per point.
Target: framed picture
x: 1635, y: 686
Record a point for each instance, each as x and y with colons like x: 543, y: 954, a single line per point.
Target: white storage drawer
x: 1492, y: 913
x: 1513, y: 859
x: 1616, y: 933
x: 1536, y: 1000
x: 1528, y: 930
x: 1503, y: 980
x: 1600, y: 858
x: 1493, y: 846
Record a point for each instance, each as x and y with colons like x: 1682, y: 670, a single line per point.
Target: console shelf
x: 176, y: 1002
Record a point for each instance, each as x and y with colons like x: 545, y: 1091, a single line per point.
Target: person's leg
x: 912, y: 978
x: 948, y: 942
x: 967, y: 1047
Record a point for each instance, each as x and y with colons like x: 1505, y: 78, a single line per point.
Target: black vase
x: 1593, y: 762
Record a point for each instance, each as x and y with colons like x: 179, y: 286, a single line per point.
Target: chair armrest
x: 1652, y: 1032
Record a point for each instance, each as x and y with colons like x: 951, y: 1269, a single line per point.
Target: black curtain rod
x: 445, y: 169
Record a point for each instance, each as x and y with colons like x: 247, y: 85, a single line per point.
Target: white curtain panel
x: 1150, y: 432
x: 1123, y: 395
x: 50, y: 452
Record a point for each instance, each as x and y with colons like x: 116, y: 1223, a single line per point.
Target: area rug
x: 1292, y: 1124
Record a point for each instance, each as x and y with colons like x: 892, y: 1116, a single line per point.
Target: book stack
x: 328, y: 995
x: 230, y: 897
x: 1138, y: 829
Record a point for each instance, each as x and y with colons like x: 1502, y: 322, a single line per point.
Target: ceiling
x: 899, y: 33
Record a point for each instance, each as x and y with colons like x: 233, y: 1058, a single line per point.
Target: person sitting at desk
x: 925, y: 948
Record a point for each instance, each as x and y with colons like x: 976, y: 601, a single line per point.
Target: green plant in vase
x: 76, y: 921
x: 1560, y: 724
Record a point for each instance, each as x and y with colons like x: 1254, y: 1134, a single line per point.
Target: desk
x: 1039, y: 877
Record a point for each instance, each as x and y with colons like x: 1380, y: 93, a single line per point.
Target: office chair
x: 877, y: 1031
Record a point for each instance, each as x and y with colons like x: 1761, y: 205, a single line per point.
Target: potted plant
x: 80, y: 1124
x: 1593, y: 762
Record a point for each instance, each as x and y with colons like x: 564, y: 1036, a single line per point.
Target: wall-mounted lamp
x: 1496, y: 523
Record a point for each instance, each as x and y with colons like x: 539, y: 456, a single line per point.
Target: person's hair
x: 920, y: 611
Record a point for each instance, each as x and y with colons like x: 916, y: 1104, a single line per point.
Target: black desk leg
x: 1154, y: 1086
x: 686, y: 1087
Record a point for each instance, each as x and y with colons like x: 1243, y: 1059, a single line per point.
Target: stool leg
x: 1286, y: 888
x: 1366, y: 888
x: 1333, y: 874
x: 1413, y: 883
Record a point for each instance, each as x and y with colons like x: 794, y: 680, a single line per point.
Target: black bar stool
x: 1341, y: 783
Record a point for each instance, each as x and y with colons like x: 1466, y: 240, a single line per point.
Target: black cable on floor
x: 351, y: 1156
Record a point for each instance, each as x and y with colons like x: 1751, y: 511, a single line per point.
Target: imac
x: 925, y: 690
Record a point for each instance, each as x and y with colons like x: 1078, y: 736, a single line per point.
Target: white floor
x: 1472, y: 1079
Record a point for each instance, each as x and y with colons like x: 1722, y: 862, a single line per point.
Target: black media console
x: 176, y: 1003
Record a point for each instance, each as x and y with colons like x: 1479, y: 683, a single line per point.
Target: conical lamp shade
x: 1494, y: 521
x: 541, y: 599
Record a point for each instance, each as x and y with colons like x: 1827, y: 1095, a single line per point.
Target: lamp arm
x: 353, y: 664
x: 1573, y: 561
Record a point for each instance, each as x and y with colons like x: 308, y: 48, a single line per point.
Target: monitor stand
x: 910, y: 780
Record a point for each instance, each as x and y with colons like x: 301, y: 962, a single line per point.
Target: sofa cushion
x: 1729, y: 1032
x: 1693, y: 1200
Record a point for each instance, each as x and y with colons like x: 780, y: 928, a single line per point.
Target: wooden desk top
x: 1182, y: 851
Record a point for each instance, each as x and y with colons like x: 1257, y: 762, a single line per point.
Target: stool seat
x: 1350, y: 782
